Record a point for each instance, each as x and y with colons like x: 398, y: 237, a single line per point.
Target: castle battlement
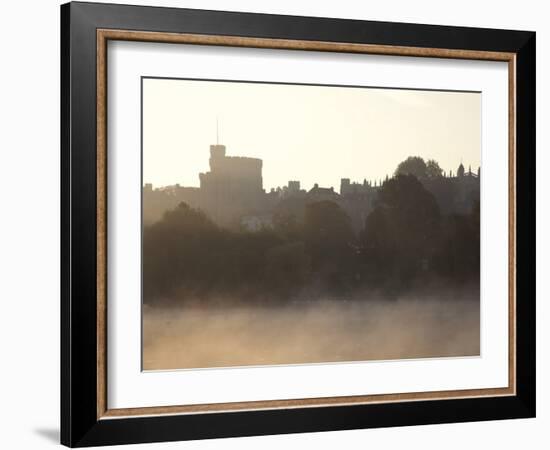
x: 223, y: 166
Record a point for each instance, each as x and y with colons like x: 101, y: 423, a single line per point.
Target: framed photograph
x: 277, y: 224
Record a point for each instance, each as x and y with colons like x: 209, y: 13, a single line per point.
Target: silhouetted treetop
x: 406, y: 194
x: 413, y: 165
x: 184, y: 218
x: 432, y: 169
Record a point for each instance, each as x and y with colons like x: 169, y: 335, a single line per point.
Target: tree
x: 458, y: 253
x: 327, y: 228
x: 286, y: 224
x: 186, y: 256
x: 328, y: 235
x: 178, y: 250
x: 413, y: 165
x: 287, y: 268
x: 432, y: 169
x: 400, y: 233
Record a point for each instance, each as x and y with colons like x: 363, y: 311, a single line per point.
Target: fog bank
x: 194, y: 336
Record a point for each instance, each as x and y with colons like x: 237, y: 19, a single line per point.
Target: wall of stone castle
x: 226, y: 199
x: 236, y: 165
x: 237, y: 174
x: 233, y: 188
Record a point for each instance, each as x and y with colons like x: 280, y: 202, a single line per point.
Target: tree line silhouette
x: 405, y: 243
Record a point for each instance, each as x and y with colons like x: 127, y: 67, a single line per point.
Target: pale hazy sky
x: 314, y: 134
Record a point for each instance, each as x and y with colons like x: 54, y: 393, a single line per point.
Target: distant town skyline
x: 312, y: 134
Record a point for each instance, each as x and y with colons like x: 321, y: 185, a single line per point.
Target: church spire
x: 460, y: 171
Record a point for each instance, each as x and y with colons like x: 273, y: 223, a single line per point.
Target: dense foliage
x: 312, y: 250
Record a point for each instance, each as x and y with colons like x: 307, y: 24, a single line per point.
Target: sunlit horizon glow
x: 313, y: 134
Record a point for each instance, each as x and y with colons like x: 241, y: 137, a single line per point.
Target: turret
x: 217, y: 155
x: 217, y: 151
x: 344, y: 185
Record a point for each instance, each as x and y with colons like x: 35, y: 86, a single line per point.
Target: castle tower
x: 294, y: 186
x: 217, y: 155
x: 460, y: 171
x: 217, y: 151
x: 344, y: 186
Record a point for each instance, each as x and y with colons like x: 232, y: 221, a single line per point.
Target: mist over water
x: 214, y: 335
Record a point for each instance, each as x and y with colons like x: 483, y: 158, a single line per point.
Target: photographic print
x: 300, y: 224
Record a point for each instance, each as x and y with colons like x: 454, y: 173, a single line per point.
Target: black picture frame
x: 80, y: 425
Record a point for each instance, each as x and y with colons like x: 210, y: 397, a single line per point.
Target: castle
x: 232, y: 194
x: 232, y: 188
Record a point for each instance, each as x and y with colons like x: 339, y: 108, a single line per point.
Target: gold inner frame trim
x: 103, y: 36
